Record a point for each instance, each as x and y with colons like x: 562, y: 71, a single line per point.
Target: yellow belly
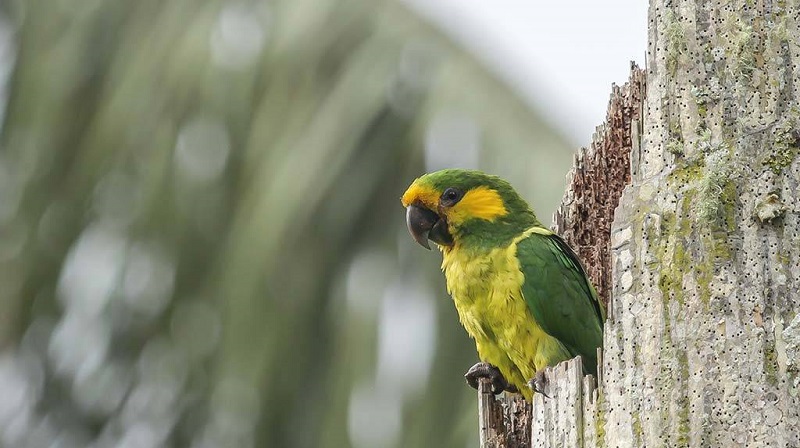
x: 486, y: 289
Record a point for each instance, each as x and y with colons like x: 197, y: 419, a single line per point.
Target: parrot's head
x: 465, y: 208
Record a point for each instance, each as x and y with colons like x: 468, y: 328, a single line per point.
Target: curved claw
x: 538, y: 383
x: 490, y: 372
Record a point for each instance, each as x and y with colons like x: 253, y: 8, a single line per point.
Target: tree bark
x: 702, y: 342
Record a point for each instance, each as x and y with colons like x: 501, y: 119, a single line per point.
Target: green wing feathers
x: 560, y: 296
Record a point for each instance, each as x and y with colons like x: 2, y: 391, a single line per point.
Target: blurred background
x: 201, y: 240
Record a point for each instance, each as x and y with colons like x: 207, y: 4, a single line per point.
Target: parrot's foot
x: 490, y: 372
x: 538, y: 383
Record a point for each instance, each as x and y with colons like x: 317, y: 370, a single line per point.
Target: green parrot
x: 520, y: 291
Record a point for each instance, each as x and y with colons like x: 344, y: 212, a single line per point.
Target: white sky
x: 562, y: 56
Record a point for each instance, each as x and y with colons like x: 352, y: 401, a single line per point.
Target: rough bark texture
x: 702, y: 344
x: 571, y: 397
x: 698, y: 348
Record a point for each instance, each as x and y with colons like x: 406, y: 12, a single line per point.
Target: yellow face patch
x: 480, y: 202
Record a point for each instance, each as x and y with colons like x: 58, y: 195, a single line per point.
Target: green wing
x: 560, y: 296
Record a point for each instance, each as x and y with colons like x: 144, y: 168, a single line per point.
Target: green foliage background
x: 201, y: 241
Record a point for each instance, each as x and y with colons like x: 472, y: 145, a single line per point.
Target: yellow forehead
x: 422, y: 194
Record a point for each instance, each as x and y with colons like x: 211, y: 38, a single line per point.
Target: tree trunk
x: 702, y: 343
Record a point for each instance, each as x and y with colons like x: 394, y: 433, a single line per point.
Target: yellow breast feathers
x: 487, y: 291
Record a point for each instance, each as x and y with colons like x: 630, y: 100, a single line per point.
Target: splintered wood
x: 596, y: 180
x: 504, y: 421
x: 595, y: 184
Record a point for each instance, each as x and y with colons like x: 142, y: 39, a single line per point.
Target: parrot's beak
x: 424, y: 225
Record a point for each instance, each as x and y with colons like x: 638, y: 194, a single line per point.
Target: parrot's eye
x: 450, y: 197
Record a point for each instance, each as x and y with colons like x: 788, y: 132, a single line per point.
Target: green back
x: 560, y: 296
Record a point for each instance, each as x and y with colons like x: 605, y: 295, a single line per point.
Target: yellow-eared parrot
x: 520, y: 290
